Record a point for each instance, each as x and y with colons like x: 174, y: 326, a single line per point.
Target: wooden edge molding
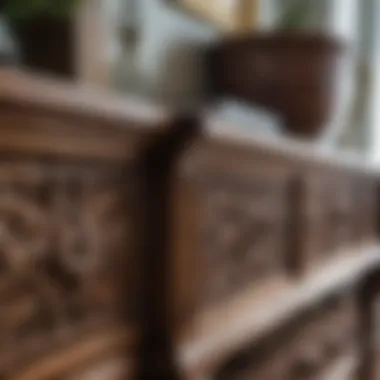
x: 28, y: 89
x: 86, y: 351
x: 344, y: 369
x: 216, y: 334
x: 43, y: 116
x: 47, y: 139
x: 220, y: 134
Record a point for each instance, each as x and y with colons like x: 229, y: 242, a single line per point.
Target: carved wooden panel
x: 330, y: 335
x: 303, y: 349
x: 311, y: 216
x: 375, y: 348
x: 326, y: 212
x: 251, y: 364
x: 66, y: 256
x: 116, y: 368
x: 339, y: 193
x: 366, y: 211
x: 243, y: 232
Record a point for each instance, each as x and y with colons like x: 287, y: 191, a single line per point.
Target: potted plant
x: 43, y: 30
x: 291, y: 70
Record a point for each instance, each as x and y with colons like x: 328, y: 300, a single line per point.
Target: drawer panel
x: 327, y: 215
x: 268, y: 360
x: 328, y: 337
x: 321, y: 341
x: 244, y: 233
x: 366, y: 209
x: 67, y: 259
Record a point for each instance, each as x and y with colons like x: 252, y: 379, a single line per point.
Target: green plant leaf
x: 19, y: 10
x: 297, y: 14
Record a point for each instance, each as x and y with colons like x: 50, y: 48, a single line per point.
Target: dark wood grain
x: 304, y: 348
x: 252, y: 219
x: 138, y: 244
x: 70, y: 247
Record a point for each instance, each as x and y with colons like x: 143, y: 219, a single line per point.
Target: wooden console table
x: 269, y: 237
x: 137, y: 244
x: 70, y: 201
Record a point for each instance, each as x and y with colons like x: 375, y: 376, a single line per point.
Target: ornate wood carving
x: 112, y: 369
x: 303, y: 349
x: 326, y: 216
x: 311, y: 217
x: 339, y: 195
x: 366, y: 210
x: 238, y: 215
x: 66, y: 257
x: 243, y: 233
x: 71, y: 213
x: 329, y: 335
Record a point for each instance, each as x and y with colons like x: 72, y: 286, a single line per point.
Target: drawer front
x: 66, y: 261
x: 321, y: 343
x: 268, y: 360
x: 327, y: 214
x: 273, y: 369
x: 244, y: 233
x: 376, y: 325
x: 328, y: 337
x: 339, y: 193
x: 117, y: 368
x: 366, y: 209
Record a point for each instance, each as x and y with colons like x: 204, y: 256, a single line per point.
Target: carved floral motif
x: 63, y: 246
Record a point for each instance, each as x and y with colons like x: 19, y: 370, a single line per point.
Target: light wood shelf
x: 216, y: 334
x: 344, y: 369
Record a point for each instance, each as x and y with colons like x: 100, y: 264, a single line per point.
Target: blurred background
x: 155, y: 48
x: 84, y: 164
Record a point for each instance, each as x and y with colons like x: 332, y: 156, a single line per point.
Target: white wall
x: 169, y: 55
x: 343, y: 22
x: 168, y: 58
x: 373, y: 52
